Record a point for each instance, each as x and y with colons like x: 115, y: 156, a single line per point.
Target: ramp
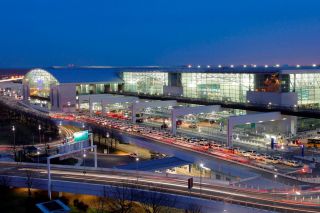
x: 152, y: 165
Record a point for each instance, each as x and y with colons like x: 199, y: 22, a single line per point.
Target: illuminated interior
x: 217, y: 86
x: 145, y: 82
x: 39, y: 82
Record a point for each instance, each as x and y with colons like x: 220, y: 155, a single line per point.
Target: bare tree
x: 156, y: 202
x: 121, y: 199
x: 101, y: 203
x: 29, y: 181
x: 5, y: 181
x: 193, y: 209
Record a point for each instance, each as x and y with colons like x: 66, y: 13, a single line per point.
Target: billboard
x: 81, y: 136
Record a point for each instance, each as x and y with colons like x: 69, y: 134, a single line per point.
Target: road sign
x: 81, y: 136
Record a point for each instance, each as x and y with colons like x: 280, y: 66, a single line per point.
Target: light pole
x: 38, y: 153
x: 137, y: 164
x: 14, y: 141
x: 201, y: 168
x: 84, y: 162
x: 107, y: 138
x: 39, y: 128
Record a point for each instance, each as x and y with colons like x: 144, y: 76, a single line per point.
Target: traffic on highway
x: 263, y: 161
x: 293, y: 201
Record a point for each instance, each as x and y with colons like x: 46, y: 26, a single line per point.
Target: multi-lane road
x: 172, y: 185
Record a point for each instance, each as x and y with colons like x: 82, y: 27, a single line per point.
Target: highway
x: 123, y: 126
x: 172, y: 185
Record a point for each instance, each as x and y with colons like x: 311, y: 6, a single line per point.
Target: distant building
x: 59, y: 88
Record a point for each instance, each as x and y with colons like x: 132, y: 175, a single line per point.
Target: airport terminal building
x: 58, y: 88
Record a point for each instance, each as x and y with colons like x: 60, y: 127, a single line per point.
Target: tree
x: 122, y: 199
x: 101, y: 203
x: 156, y: 202
x: 5, y: 181
x: 193, y: 209
x: 29, y: 180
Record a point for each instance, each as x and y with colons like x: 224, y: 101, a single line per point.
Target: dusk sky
x: 167, y: 32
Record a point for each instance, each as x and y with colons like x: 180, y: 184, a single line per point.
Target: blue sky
x: 167, y: 32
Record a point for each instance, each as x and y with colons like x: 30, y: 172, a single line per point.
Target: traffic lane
x: 57, y: 174
x: 182, y: 189
x: 124, y: 175
x: 143, y: 180
x: 108, y: 160
x: 268, y: 175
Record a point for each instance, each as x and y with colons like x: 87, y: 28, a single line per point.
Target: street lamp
x: 14, y: 141
x: 137, y: 164
x: 39, y: 128
x: 107, y: 144
x: 201, y: 168
x: 38, y: 153
x: 84, y: 162
x: 275, y: 175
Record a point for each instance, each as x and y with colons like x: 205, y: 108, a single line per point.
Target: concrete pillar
x: 229, y: 133
x: 134, y: 112
x: 173, y: 124
x: 49, y: 178
x: 293, y: 125
x: 103, y: 108
x: 95, y: 157
x: 91, y: 141
x: 90, y: 107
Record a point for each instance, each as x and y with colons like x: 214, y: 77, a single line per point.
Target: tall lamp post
x: 201, y: 168
x: 84, y: 162
x: 137, y: 164
x: 39, y: 128
x: 107, y: 138
x: 14, y: 141
x: 38, y: 153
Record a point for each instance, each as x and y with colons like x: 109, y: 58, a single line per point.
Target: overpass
x: 11, y: 79
x: 107, y: 182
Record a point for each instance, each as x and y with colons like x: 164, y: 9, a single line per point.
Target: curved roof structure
x: 84, y: 75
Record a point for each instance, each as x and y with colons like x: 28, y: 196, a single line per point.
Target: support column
x: 49, y: 178
x: 103, y: 109
x: 294, y: 125
x: 229, y: 133
x: 173, y: 124
x: 91, y: 141
x: 95, y: 157
x: 90, y: 106
x: 133, y: 112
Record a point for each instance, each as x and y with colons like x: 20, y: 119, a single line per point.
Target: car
x: 292, y: 163
x: 193, y: 126
x: 133, y: 155
x: 246, y: 154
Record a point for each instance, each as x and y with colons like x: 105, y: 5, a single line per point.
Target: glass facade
x: 217, y: 86
x: 145, y: 82
x: 83, y: 89
x: 307, y: 87
x: 39, y: 82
